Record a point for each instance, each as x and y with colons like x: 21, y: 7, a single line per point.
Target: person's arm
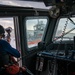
x: 7, y: 47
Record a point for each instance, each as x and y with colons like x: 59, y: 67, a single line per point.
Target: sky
x: 7, y: 22
x: 31, y: 23
x: 62, y: 23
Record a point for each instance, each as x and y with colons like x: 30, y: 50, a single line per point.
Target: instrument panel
x: 60, y: 55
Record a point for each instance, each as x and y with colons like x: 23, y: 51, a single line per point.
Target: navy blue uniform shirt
x: 5, y: 46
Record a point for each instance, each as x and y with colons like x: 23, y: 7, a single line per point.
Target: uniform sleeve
x: 7, y: 47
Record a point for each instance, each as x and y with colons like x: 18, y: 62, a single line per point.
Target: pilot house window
x: 8, y: 23
x: 65, y: 29
x: 35, y: 30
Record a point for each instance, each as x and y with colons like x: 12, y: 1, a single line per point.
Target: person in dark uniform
x: 6, y: 50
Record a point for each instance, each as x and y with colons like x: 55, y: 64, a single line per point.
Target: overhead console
x: 60, y: 7
x: 59, y: 2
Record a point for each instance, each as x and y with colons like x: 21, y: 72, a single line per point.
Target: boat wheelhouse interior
x: 44, y: 37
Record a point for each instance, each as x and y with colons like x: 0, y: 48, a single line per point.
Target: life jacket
x: 12, y: 66
x: 13, y: 69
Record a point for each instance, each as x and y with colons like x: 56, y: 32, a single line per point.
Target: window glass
x: 65, y: 29
x: 6, y: 23
x: 35, y: 30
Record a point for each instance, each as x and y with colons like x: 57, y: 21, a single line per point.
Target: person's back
x: 5, y: 51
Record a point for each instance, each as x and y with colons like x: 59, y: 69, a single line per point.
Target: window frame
x: 56, y: 27
x: 43, y: 37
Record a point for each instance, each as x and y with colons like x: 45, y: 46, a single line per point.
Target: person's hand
x: 23, y: 68
x: 8, y: 40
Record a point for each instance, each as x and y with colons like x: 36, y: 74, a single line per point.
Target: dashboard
x: 64, y: 51
x: 60, y: 57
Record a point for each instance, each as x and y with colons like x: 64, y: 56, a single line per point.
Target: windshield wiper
x: 63, y: 34
x: 71, y: 20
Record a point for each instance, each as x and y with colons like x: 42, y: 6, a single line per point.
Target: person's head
x: 2, y: 31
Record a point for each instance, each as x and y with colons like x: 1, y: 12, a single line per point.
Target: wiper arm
x: 71, y: 20
x: 64, y: 34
